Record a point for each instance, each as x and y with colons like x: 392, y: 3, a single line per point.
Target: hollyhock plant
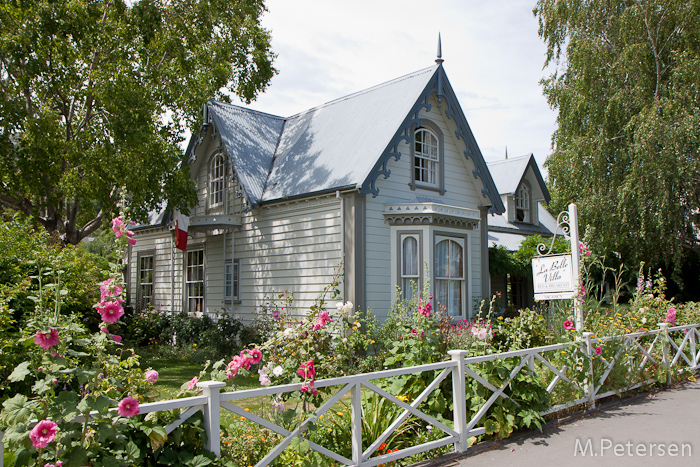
x: 128, y: 407
x: 306, y: 370
x: 192, y: 384
x: 671, y: 315
x: 110, y: 288
x: 118, y: 226
x: 568, y: 324
x: 43, y: 433
x: 46, y: 340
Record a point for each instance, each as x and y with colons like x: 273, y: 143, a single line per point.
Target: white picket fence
x: 672, y: 356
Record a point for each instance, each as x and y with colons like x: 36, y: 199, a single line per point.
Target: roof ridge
x: 364, y: 91
x: 511, y: 159
x: 248, y: 110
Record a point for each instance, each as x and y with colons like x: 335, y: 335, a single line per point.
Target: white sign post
x: 556, y: 277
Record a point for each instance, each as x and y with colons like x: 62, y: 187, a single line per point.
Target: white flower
x: 278, y: 370
x: 339, y: 306
x: 482, y: 334
x: 345, y: 340
x: 348, y: 307
x: 288, y: 331
x: 644, y: 320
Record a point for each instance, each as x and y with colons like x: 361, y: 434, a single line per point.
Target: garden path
x: 628, y: 432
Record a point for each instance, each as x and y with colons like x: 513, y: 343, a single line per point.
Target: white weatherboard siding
x: 291, y: 246
x: 459, y: 191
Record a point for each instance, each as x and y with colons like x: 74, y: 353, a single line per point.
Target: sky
x: 492, y: 55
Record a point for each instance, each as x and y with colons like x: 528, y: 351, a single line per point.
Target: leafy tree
x: 95, y: 95
x: 627, y: 88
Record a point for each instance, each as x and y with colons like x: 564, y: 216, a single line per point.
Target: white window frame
x: 522, y: 203
x: 141, y: 298
x: 463, y: 242
x: 217, y: 180
x: 232, y: 281
x: 194, y: 276
x: 426, y: 157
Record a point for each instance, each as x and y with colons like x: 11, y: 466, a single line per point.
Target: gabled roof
x: 508, y: 174
x: 345, y: 143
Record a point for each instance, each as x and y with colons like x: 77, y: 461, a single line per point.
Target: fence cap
x: 458, y: 353
x: 211, y: 384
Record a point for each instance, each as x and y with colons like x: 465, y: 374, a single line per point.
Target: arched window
x: 410, y: 266
x: 522, y: 204
x: 449, y: 274
x: 426, y: 157
x: 217, y: 173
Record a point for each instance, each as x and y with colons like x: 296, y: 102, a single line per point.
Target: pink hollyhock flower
x: 151, y: 376
x: 304, y: 388
x: 256, y: 355
x: 118, y: 226
x: 105, y: 330
x: 306, y: 370
x: 128, y: 407
x: 46, y: 340
x: 568, y: 324
x: 49, y: 465
x: 481, y: 335
x: 263, y: 378
x: 116, y: 338
x: 314, y: 392
x: 192, y: 384
x: 132, y: 241
x: 110, y: 311
x: 598, y: 350
x: 43, y: 433
x: 671, y: 315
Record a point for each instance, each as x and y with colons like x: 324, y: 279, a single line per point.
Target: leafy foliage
x: 625, y: 150
x: 94, y: 96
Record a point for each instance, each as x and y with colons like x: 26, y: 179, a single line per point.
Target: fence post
x: 589, y: 385
x: 665, y: 347
x: 459, y: 398
x: 210, y: 389
x: 356, y: 422
x: 692, y: 347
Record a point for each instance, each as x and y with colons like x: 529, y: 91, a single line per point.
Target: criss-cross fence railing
x: 633, y: 360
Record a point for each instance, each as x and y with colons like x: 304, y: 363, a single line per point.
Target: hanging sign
x: 553, y: 277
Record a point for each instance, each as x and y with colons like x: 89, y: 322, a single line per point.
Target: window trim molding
x: 431, y: 126
x: 234, y: 299
x: 399, y: 257
x: 139, y: 294
x: 466, y: 257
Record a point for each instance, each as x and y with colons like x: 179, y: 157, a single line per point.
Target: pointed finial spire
x: 439, y: 59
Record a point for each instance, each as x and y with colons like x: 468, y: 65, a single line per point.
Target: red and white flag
x: 181, y: 224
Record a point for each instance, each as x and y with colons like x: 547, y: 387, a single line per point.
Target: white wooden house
x: 523, y: 192
x: 383, y: 181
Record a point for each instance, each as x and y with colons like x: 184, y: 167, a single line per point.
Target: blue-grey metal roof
x: 508, y: 173
x: 250, y: 139
x: 338, y: 143
x: 344, y: 143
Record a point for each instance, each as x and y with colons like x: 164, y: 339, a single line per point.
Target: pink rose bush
x: 670, y: 315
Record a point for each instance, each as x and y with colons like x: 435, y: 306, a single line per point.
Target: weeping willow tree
x: 626, y: 149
